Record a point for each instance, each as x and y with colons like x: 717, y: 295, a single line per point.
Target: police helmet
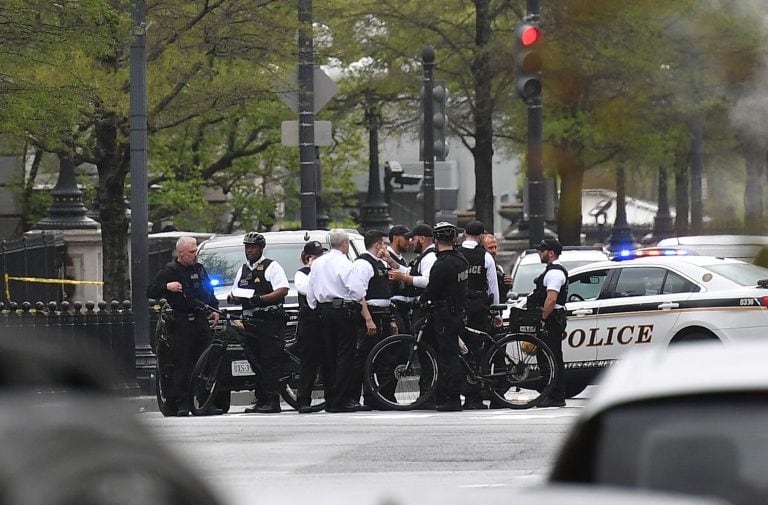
x: 445, y: 232
x: 253, y: 237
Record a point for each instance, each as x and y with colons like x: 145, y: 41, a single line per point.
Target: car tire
x: 698, y: 335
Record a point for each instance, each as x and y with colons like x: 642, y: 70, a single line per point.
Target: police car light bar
x: 629, y: 254
x: 215, y: 282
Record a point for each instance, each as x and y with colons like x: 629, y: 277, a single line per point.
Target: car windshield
x: 523, y: 281
x: 222, y: 263
x: 745, y: 274
x: 715, y: 445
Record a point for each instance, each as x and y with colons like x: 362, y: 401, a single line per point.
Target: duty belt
x: 338, y: 303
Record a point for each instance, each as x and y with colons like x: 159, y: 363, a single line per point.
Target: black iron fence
x: 39, y: 256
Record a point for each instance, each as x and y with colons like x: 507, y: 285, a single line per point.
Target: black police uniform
x: 478, y: 307
x: 447, y: 291
x: 190, y: 331
x: 379, y: 288
x: 554, y: 324
x: 401, y: 309
x: 264, y: 331
x: 503, y: 288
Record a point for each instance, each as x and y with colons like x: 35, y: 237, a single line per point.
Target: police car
x: 660, y: 298
x: 528, y: 265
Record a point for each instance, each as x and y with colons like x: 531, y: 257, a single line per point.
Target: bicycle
x: 224, y: 367
x: 516, y: 368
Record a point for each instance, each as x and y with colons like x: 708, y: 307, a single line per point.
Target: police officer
x: 183, y: 283
x: 483, y: 290
x: 402, y: 300
x: 308, y: 332
x: 549, y: 295
x: 369, y: 273
x: 447, y: 292
x: 504, y: 280
x: 260, y: 287
x: 339, y: 302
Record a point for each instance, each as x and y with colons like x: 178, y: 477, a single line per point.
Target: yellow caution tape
x: 44, y: 281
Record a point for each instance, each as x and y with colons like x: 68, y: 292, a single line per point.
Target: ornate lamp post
x: 374, y: 213
x: 621, y: 233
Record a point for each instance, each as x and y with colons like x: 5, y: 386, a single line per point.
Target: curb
x: 148, y: 403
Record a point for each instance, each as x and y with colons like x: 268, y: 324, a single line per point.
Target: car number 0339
x: 241, y: 368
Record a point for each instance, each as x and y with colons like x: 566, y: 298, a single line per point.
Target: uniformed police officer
x: 402, y: 300
x: 370, y: 272
x: 549, y: 295
x: 339, y: 304
x: 447, y: 292
x: 483, y: 290
x: 309, y: 331
x: 184, y: 282
x: 260, y: 287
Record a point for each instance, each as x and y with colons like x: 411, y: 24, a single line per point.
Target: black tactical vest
x: 478, y: 282
x: 411, y: 290
x: 399, y: 287
x: 378, y: 285
x: 193, y: 285
x: 303, y: 298
x: 539, y: 295
x: 255, y: 279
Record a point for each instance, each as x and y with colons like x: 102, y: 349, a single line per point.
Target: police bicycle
x: 224, y: 367
x: 514, y: 366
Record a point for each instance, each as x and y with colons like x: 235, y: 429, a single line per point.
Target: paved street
x: 367, y: 457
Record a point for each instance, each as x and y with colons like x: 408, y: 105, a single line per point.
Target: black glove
x: 253, y: 303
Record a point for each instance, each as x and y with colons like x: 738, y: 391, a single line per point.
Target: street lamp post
x: 662, y: 222
x: 621, y: 233
x: 428, y: 184
x: 374, y: 213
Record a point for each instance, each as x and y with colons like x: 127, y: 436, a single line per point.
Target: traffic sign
x: 325, y: 88
x: 289, y: 133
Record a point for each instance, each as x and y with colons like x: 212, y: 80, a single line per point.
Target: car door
x: 582, y: 308
x: 639, y: 307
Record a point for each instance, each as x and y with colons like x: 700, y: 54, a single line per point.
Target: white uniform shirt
x: 554, y: 281
x: 329, y: 279
x: 490, y: 271
x: 301, y: 281
x: 273, y: 274
x: 361, y: 275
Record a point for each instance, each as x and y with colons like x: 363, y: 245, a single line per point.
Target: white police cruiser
x: 658, y: 297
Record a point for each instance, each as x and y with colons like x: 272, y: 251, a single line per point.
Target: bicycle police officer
x: 447, y: 292
x: 549, y: 295
x: 260, y: 287
x: 184, y: 282
x: 483, y: 290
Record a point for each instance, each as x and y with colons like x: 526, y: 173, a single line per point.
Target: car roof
x: 276, y: 237
x: 687, y: 369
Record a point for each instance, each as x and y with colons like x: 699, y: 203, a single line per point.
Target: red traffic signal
x: 528, y: 35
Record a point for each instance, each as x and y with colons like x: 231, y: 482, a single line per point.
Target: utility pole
x: 309, y: 183
x: 428, y: 183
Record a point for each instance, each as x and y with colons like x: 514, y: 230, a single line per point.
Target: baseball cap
x: 474, y: 228
x: 398, y: 229
x: 550, y: 244
x: 313, y: 248
x: 420, y: 230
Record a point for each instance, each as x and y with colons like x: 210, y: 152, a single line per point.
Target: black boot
x: 271, y: 406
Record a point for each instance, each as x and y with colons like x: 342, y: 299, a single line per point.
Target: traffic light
x: 528, y: 40
x: 439, y: 121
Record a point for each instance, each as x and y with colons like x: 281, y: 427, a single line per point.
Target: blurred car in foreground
x: 742, y: 247
x: 659, y: 299
x: 689, y: 419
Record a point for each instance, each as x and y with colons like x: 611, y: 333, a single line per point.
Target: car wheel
x: 697, y: 335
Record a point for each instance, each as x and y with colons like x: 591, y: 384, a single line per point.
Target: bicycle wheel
x: 205, y: 386
x: 164, y: 380
x: 400, y: 374
x: 519, y: 370
x: 289, y: 390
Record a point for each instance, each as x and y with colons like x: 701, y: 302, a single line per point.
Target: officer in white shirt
x: 260, y: 287
x: 338, y: 297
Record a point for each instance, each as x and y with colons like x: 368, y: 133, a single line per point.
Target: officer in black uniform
x: 402, y: 299
x: 447, y: 292
x: 260, y: 287
x: 184, y: 282
x: 376, y: 323
x: 549, y: 295
x: 482, y: 292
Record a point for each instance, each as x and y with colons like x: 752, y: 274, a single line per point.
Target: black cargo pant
x: 447, y: 324
x: 478, y: 318
x: 314, y: 358
x: 382, y: 318
x: 340, y: 340
x: 191, y: 335
x: 264, y: 337
x: 554, y: 327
